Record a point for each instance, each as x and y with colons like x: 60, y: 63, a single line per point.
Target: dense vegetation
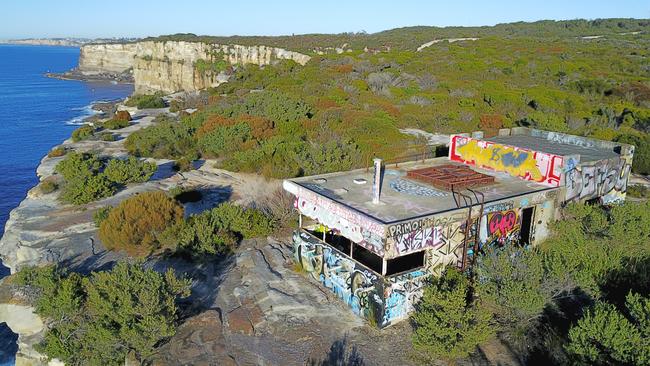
x: 89, y: 177
x: 153, y: 221
x: 337, y: 111
x: 145, y: 101
x: 583, y: 297
x: 409, y: 38
x: 107, y: 317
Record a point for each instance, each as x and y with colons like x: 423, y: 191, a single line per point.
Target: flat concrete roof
x: 405, y: 199
x: 540, y: 143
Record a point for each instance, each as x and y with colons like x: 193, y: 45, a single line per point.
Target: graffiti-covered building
x: 374, y: 236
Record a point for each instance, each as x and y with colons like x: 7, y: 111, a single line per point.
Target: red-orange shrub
x: 135, y: 224
x: 122, y: 116
x: 211, y: 123
x: 261, y: 128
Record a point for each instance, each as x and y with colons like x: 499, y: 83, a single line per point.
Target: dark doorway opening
x: 526, y: 224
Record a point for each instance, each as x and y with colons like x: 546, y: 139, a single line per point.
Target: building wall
x: 526, y: 164
x: 606, y: 179
x: 360, y: 229
x: 499, y: 225
x: 381, y: 301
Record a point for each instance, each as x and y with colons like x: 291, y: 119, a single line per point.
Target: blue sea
x: 37, y: 113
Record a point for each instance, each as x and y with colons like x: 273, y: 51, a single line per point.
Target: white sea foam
x: 87, y: 111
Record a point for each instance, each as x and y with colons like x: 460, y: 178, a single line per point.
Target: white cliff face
x: 115, y: 57
x: 171, y: 66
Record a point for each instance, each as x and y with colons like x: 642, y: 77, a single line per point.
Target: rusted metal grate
x: 450, y: 177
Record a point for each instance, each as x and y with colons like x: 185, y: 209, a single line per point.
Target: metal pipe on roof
x: 376, y: 182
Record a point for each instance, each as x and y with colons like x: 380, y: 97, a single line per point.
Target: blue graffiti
x: 513, y: 159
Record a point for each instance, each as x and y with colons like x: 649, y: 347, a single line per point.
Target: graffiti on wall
x: 526, y: 164
x: 352, y: 225
x: 348, y: 280
x: 500, y: 228
x: 605, y: 178
x: 428, y: 237
x: 401, y: 293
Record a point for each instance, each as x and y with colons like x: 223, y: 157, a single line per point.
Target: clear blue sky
x: 138, y: 18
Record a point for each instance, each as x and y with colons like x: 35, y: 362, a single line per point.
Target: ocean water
x: 37, y: 113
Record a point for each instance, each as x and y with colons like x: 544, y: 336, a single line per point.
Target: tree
x: 102, y: 318
x: 448, y: 321
x: 605, y: 336
x: 515, y: 286
x: 135, y: 224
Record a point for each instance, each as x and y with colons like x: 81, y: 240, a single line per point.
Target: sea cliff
x: 172, y: 66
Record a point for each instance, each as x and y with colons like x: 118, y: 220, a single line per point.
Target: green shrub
x: 87, y: 189
x: 128, y: 171
x: 48, y: 186
x: 248, y: 222
x: 115, y: 124
x: 136, y: 223
x: 83, y: 133
x: 145, y: 101
x: 224, y: 139
x: 638, y: 191
x: 641, y: 161
x: 76, y: 165
x: 605, y: 336
x: 107, y: 136
x: 167, y: 140
x: 101, y: 214
x: 448, y: 322
x: 183, y: 165
x: 200, y: 235
x: 103, y: 318
x: 56, y: 152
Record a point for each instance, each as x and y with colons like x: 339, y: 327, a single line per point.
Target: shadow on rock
x: 164, y: 171
x: 340, y: 354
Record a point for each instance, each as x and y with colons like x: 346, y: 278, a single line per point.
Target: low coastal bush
x: 101, y: 214
x: 167, y: 140
x: 128, y: 171
x: 105, y: 317
x: 638, y: 191
x: 87, y: 189
x: 217, y: 231
x: 115, y: 124
x: 608, y: 336
x: 183, y: 165
x: 48, y: 186
x: 145, y: 101
x: 77, y: 165
x: 57, y: 152
x: 107, y: 136
x: 122, y: 116
x: 89, y: 178
x: 448, y: 322
x: 247, y: 222
x: 136, y: 223
x: 83, y: 133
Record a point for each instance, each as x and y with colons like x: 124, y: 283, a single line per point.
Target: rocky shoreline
x: 125, y: 77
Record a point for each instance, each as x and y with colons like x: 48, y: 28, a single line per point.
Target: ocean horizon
x: 37, y: 113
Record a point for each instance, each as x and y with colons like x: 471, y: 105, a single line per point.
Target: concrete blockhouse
x: 374, y: 236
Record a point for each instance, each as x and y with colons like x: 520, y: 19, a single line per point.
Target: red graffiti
x: 502, y: 223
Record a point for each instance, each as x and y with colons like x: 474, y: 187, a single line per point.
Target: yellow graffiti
x: 501, y: 158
